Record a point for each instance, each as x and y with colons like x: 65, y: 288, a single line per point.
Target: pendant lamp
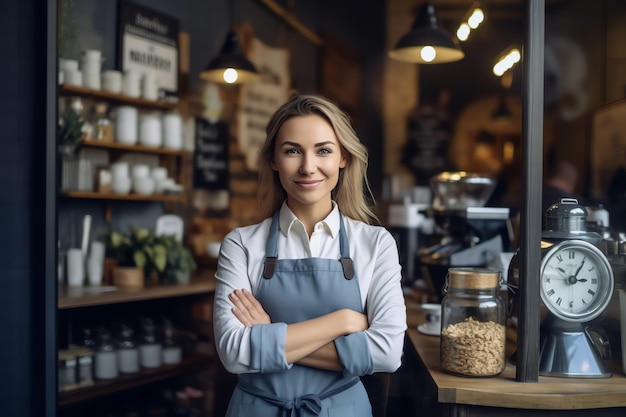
x: 426, y: 43
x: 231, y: 66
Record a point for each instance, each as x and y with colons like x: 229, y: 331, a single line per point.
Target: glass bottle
x: 473, y: 323
x: 127, y: 351
x: 150, y: 346
x: 172, y: 352
x: 106, y: 356
x: 104, y: 127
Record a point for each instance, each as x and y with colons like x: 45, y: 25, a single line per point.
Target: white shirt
x: 375, y: 257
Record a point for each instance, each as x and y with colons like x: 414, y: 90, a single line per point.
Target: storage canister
x: 473, y: 320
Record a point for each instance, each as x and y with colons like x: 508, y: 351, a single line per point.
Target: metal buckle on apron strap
x: 269, y: 267
x: 348, y: 267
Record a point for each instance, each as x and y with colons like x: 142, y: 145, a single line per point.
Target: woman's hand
x: 247, y: 309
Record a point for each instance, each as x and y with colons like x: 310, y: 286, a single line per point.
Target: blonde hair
x: 350, y: 192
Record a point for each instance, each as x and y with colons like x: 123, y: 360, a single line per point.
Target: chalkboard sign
x: 210, y: 162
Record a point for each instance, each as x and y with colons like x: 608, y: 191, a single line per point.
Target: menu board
x: 149, y: 44
x: 210, y: 160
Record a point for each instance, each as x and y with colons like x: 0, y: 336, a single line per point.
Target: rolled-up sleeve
x: 386, y: 309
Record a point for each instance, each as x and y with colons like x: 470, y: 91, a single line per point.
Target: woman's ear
x: 345, y: 157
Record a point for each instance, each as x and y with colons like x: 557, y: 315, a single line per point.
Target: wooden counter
x: 503, y: 395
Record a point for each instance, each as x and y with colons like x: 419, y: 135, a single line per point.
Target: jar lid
x: 473, y: 278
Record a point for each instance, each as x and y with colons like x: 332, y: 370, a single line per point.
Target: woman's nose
x: 308, y: 165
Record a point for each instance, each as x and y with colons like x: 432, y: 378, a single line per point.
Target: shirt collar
x: 287, y: 218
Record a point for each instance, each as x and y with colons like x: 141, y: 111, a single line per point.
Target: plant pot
x: 128, y: 277
x: 183, y: 277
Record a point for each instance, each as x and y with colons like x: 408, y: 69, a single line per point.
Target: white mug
x: 75, y: 267
x: 112, y: 81
x: 432, y: 314
x: 126, y: 125
x: 150, y: 86
x: 94, y: 271
x: 132, y: 83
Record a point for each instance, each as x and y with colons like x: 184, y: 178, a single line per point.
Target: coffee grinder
x: 468, y: 233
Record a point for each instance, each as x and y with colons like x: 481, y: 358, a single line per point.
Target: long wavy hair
x: 353, y: 193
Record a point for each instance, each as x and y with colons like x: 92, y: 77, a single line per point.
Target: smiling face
x: 308, y: 157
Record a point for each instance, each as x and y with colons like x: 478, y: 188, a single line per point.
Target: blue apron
x: 291, y: 291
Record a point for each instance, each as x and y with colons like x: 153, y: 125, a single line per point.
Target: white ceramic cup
x: 132, y: 83
x: 432, y: 316
x: 159, y: 173
x: 126, y: 125
x: 172, y: 131
x: 121, y: 185
x: 120, y: 170
x: 140, y: 171
x: 149, y: 86
x: 94, y: 271
x: 213, y: 248
x: 97, y: 251
x: 75, y: 267
x: 143, y: 185
x: 73, y: 77
x: 150, y: 130
x: 68, y: 64
x: 112, y: 81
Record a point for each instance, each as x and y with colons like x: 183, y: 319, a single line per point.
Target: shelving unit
x: 83, y: 299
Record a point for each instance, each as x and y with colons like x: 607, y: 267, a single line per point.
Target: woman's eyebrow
x: 297, y: 145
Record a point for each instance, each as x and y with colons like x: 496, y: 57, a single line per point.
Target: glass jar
x: 172, y: 352
x: 127, y: 351
x: 106, y: 356
x: 473, y: 323
x: 150, y: 346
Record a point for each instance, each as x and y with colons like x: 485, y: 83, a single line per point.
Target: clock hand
x: 580, y: 266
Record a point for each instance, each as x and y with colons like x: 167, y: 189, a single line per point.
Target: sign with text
x: 149, y: 44
x: 210, y: 161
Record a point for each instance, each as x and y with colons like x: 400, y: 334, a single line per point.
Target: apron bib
x: 294, y: 290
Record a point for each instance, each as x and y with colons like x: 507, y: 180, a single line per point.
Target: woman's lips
x: 308, y: 184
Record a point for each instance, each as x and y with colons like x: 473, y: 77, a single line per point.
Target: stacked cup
x: 143, y: 183
x: 70, y: 71
x: 120, y: 178
x: 91, y: 64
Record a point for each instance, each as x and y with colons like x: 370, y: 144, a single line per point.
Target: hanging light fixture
x: 231, y: 66
x: 426, y: 43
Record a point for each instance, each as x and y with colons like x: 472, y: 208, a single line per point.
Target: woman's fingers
x: 247, y: 309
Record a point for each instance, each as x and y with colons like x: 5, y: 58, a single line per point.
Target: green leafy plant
x: 164, y: 255
x: 70, y: 128
x: 141, y: 249
x: 180, y: 262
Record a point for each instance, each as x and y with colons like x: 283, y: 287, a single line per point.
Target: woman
x: 309, y: 299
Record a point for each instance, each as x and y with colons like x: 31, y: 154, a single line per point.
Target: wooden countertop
x: 549, y: 393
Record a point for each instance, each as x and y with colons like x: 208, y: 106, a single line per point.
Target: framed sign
x: 210, y: 160
x: 608, y: 146
x: 148, y: 43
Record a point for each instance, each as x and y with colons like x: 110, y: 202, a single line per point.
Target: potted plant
x: 70, y: 131
x: 180, y: 262
x: 139, y: 254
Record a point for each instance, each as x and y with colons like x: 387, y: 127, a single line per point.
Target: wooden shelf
x: 75, y: 297
x: 102, y: 388
x: 134, y: 148
x: 128, y: 197
x: 68, y: 90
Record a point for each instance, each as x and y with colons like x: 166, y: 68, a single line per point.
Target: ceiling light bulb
x: 463, y: 32
x: 230, y: 75
x: 476, y: 18
x: 428, y: 53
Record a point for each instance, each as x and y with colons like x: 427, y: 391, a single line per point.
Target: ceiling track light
x: 473, y: 18
x: 426, y: 43
x: 507, y: 60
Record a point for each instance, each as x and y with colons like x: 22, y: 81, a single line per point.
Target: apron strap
x: 271, y: 250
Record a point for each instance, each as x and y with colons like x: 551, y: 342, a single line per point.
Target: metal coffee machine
x: 468, y: 234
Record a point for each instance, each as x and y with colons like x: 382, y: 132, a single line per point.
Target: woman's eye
x: 292, y: 151
x: 324, y: 150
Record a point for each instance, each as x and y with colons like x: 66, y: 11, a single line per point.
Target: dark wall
x: 27, y: 204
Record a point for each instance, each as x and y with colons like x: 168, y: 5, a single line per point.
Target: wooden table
x: 503, y: 395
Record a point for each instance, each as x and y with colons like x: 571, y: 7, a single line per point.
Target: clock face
x: 576, y: 281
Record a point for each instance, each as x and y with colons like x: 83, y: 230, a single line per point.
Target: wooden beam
x: 292, y: 21
x: 527, y: 357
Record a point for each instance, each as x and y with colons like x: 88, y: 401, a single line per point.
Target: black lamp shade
x: 230, y: 56
x: 425, y: 32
